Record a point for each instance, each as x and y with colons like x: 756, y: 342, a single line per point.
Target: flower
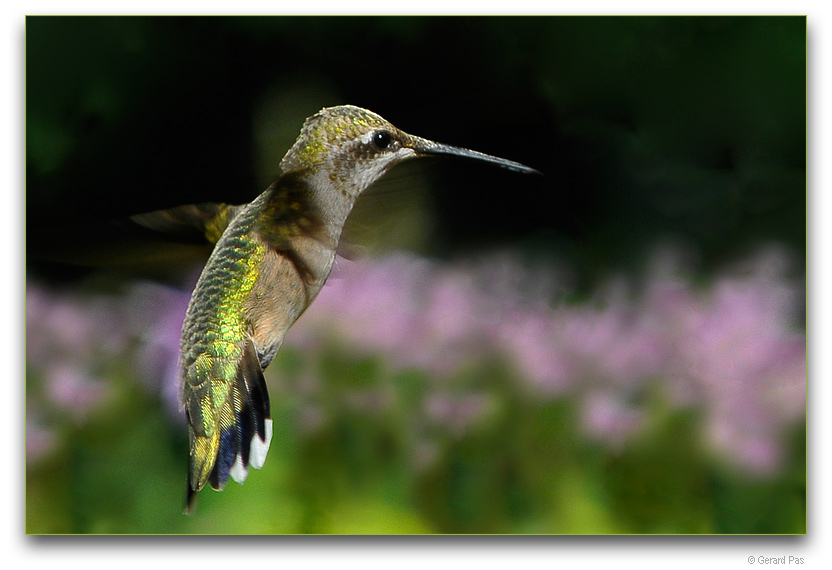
x: 731, y: 349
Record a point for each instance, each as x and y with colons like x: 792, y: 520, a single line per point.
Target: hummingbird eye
x: 382, y: 139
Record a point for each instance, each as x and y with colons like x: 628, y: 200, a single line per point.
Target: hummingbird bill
x: 270, y: 260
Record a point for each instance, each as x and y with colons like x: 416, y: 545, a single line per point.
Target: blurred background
x: 617, y: 346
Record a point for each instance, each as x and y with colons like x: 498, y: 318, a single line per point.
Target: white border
x: 541, y: 552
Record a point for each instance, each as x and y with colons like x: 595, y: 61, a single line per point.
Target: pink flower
x: 606, y: 417
x: 75, y: 392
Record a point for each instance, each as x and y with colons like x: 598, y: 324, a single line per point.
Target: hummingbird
x: 271, y: 258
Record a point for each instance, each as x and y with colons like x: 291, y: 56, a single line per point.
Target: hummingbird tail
x: 245, y: 427
x: 246, y: 440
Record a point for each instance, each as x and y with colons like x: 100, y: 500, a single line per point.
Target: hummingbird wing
x: 163, y: 244
x: 395, y: 213
x: 206, y: 221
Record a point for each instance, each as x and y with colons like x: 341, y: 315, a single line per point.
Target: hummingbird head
x: 353, y: 147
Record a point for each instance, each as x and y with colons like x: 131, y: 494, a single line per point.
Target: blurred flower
x: 731, y: 350
x: 75, y: 392
x: 737, y: 355
x: 534, y: 341
x: 76, y: 344
x: 155, y: 315
x: 606, y: 417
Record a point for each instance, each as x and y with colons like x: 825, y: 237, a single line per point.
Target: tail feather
x: 239, y: 470
x: 256, y: 390
x: 226, y: 455
x: 245, y: 426
x: 245, y: 430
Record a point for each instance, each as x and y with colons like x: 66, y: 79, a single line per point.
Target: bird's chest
x: 288, y: 282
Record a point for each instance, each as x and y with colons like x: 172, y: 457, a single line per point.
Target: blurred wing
x: 395, y: 213
x: 164, y: 244
x: 193, y: 221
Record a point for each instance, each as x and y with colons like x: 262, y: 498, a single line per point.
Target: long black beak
x: 424, y: 146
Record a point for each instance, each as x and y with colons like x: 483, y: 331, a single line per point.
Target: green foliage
x: 362, y: 453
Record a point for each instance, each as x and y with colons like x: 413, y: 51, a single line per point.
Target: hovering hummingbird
x: 270, y: 260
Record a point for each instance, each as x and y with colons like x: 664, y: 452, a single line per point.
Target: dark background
x: 646, y: 129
